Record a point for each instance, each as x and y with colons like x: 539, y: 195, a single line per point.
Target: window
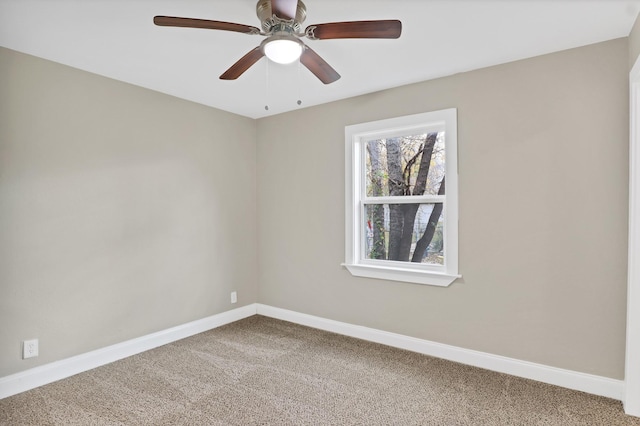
x: 402, y: 199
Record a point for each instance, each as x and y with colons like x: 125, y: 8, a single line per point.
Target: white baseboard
x: 39, y: 376
x: 589, y: 383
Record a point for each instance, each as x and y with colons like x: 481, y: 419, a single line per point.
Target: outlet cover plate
x: 30, y: 348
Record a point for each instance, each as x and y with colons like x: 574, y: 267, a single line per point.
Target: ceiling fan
x: 282, y: 25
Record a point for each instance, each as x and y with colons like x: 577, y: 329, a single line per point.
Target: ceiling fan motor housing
x: 271, y: 23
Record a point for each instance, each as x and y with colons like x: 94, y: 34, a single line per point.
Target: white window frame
x: 356, y: 136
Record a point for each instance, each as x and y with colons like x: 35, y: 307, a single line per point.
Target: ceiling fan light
x: 283, y: 50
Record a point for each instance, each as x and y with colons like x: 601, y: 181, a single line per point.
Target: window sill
x: 400, y: 274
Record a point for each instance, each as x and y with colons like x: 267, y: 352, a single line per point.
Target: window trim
x: 355, y: 138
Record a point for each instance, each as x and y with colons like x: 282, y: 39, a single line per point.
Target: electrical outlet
x: 234, y: 297
x: 30, y: 348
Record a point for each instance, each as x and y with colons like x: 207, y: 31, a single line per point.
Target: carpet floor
x: 262, y: 371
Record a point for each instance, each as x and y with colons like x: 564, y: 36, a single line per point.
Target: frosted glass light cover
x: 283, y: 51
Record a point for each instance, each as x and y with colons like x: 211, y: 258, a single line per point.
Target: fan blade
x: 318, y: 66
x: 284, y: 9
x: 391, y: 28
x: 172, y: 21
x: 243, y: 64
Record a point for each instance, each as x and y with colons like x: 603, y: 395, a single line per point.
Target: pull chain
x: 299, y: 85
x: 266, y: 86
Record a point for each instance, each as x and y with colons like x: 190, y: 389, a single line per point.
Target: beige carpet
x: 261, y: 371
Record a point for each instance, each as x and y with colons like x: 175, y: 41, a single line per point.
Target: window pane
x: 386, y: 239
x: 410, y: 165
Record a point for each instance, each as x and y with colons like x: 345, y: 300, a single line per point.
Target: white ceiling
x: 117, y: 39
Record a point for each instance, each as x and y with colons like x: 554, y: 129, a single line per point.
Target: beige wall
x: 634, y: 43
x: 543, y: 212
x: 122, y: 211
